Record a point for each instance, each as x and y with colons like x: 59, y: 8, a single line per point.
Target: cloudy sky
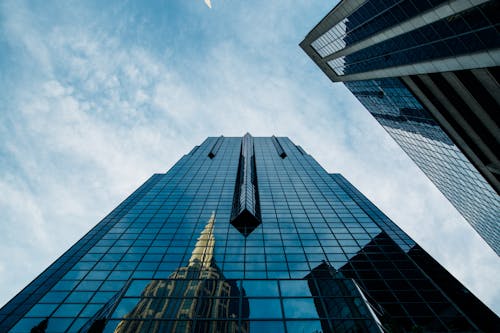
x: 97, y: 96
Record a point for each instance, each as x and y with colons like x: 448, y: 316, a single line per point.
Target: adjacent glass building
x: 427, y: 70
x: 246, y: 235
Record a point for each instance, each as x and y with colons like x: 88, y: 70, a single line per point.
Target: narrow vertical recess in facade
x: 216, y: 147
x: 193, y: 150
x: 245, y: 215
x: 301, y: 150
x: 279, y: 148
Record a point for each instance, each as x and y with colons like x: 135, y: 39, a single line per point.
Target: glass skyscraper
x: 246, y: 234
x: 427, y: 70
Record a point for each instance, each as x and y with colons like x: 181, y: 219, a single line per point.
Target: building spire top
x: 204, y: 249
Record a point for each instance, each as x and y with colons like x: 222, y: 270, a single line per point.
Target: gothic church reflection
x: 195, y: 298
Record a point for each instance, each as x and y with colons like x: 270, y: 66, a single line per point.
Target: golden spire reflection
x: 194, y: 298
x: 203, y: 251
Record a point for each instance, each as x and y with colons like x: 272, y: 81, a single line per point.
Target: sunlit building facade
x: 246, y: 234
x: 428, y: 71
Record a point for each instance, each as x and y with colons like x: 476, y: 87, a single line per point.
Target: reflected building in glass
x: 184, y: 301
x: 242, y: 235
x: 427, y: 70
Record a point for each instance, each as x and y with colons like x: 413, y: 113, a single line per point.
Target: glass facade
x: 467, y: 32
x: 246, y: 235
x: 370, y: 18
x: 428, y: 71
x: 421, y: 137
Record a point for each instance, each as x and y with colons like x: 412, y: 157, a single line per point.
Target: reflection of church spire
x: 190, y: 296
x: 203, y: 251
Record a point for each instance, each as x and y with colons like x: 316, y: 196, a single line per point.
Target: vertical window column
x: 245, y: 216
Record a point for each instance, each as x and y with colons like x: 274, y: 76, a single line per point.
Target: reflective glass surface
x: 407, y: 121
x: 469, y: 31
x: 372, y: 17
x: 435, y: 42
x: 323, y: 259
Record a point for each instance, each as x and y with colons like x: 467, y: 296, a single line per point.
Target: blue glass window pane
x: 54, y: 297
x: 69, y: 310
x: 90, y: 310
x: 136, y: 287
x: 302, y: 326
x: 265, y: 308
x: 261, y: 288
x: 266, y: 326
x: 301, y: 308
x: 59, y: 325
x: 41, y: 310
x: 125, y: 306
x: 295, y: 288
x: 79, y: 297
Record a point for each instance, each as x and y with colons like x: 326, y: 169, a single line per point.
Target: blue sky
x: 97, y: 96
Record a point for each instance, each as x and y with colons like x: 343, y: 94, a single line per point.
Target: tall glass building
x: 427, y: 70
x: 246, y: 235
